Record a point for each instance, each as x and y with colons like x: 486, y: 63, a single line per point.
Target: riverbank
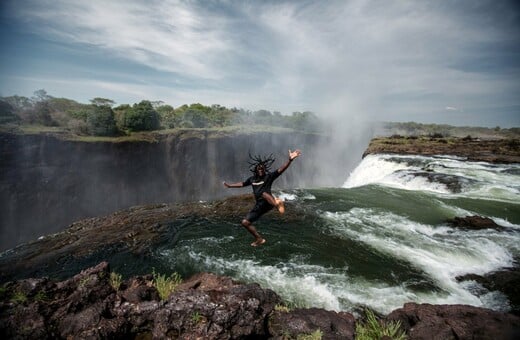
x: 471, y: 149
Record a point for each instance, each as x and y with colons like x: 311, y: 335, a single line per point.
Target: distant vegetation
x: 102, y: 118
x: 442, y: 130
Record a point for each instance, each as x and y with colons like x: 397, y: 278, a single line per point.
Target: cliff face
x: 46, y: 182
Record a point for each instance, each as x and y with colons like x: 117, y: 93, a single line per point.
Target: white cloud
x: 349, y: 57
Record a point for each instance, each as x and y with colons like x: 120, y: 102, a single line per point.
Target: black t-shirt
x: 261, y: 184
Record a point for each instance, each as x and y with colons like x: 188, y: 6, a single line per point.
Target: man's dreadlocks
x: 257, y: 160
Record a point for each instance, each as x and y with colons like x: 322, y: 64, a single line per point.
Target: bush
x: 78, y: 126
x: 101, y: 122
x: 7, y: 114
x: 141, y: 117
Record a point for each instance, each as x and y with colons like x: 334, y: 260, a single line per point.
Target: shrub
x: 101, y: 121
x: 7, y: 114
x: 141, y: 117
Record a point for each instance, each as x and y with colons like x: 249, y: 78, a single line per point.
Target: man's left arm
x: 292, y: 155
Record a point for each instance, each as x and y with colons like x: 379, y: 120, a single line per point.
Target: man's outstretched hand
x: 294, y: 154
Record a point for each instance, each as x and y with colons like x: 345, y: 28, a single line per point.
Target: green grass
x: 166, y: 285
x: 374, y: 329
x: 196, y: 317
x: 41, y: 297
x: 282, y: 308
x: 115, y: 280
x: 19, y: 297
x: 316, y: 335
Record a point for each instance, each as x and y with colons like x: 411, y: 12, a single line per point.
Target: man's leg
x: 276, y: 202
x: 258, y: 239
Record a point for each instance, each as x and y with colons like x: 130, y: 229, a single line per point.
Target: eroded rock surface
x: 425, y: 321
x: 87, y: 306
x: 494, y: 151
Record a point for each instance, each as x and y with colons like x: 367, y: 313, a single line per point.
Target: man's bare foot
x: 280, y: 206
x: 258, y: 242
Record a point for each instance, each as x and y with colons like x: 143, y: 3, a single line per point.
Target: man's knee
x: 246, y: 223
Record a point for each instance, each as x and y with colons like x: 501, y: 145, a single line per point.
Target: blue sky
x: 453, y: 62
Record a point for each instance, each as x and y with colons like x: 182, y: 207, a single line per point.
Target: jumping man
x: 261, y: 181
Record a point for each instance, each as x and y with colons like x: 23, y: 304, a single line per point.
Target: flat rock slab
x: 461, y: 322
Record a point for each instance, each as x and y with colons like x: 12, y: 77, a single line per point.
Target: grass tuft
x: 282, y: 308
x: 19, y: 297
x: 166, y: 285
x: 316, y: 335
x: 374, y: 329
x: 115, y: 280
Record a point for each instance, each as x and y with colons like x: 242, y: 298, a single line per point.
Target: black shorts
x: 260, y: 208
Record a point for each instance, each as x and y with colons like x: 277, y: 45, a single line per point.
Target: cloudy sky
x: 454, y: 62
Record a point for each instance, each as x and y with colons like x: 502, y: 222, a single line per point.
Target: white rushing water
x: 437, y: 174
x: 441, y: 252
x: 369, y: 212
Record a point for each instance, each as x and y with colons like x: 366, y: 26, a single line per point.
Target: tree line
x: 101, y: 117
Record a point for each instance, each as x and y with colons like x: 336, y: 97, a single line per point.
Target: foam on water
x: 298, y: 283
x: 440, y: 252
x: 475, y: 179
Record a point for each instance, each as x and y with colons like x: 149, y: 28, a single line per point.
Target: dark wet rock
x: 453, y: 183
x: 86, y: 306
x: 506, y: 281
x: 425, y: 321
x: 283, y: 325
x: 474, y: 223
x: 132, y: 234
x: 207, y: 306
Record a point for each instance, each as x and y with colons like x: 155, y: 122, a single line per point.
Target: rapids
x: 380, y: 240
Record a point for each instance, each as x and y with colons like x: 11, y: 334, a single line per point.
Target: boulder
x: 205, y: 306
x: 474, y: 223
x: 506, y: 281
x: 298, y: 322
x: 426, y: 321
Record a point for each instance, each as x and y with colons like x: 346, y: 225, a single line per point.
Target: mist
x: 49, y: 183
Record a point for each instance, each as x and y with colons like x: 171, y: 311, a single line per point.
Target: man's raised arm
x: 292, y: 156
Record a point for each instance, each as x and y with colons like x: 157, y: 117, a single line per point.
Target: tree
x: 102, y: 102
x: 18, y: 102
x: 197, y: 117
x: 7, y: 114
x: 101, y: 121
x: 41, y: 95
x: 169, y: 118
x: 42, y: 114
x: 141, y: 117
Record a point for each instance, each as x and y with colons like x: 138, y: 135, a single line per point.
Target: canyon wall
x: 47, y: 182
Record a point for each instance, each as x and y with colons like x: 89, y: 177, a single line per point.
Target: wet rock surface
x: 506, y: 281
x: 207, y: 306
x: 129, y: 235
x: 425, y: 321
x: 474, y: 223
